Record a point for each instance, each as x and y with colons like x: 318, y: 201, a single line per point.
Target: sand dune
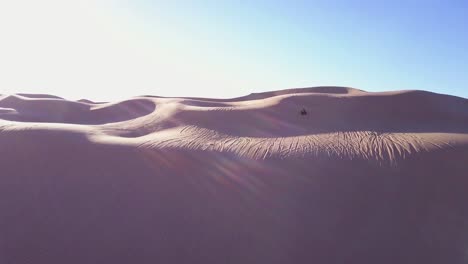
x: 309, y: 175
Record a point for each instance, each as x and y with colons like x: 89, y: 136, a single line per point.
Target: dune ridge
x: 387, y: 126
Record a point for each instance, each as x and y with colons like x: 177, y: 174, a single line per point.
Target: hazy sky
x: 108, y: 50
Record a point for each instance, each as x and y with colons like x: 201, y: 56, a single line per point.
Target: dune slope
x: 324, y: 174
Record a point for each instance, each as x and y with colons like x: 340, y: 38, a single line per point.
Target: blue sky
x: 117, y: 49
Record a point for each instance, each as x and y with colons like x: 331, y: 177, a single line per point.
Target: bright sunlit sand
x: 316, y: 174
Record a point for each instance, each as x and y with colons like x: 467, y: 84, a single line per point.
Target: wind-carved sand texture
x: 310, y: 175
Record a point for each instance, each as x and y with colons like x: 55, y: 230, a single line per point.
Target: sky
x: 111, y: 50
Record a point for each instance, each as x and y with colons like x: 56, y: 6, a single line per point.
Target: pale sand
x: 361, y: 178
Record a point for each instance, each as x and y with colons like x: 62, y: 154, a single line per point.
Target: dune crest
x: 332, y: 122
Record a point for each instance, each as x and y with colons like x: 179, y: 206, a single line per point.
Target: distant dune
x: 309, y: 175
